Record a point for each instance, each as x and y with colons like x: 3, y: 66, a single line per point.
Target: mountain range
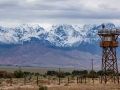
x: 56, y: 46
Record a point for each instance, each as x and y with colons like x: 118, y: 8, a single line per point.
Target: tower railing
x: 106, y: 31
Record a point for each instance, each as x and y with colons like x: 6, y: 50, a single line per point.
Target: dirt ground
x: 74, y: 86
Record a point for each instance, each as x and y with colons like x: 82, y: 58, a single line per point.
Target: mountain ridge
x: 62, y: 36
x: 62, y: 45
x: 62, y: 33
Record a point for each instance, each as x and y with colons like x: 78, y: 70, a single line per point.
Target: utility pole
x: 92, y: 72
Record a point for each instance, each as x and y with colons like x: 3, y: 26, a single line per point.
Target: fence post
x: 68, y: 80
x: 77, y: 80
x: 25, y: 80
x: 81, y: 80
x: 59, y: 80
x: 37, y: 80
x: 48, y: 80
x: 99, y: 79
x: 85, y: 80
x: 10, y: 81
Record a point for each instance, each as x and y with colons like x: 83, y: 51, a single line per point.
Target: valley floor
x: 52, y: 82
x: 20, y: 84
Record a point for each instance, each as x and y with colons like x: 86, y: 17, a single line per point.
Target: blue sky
x: 47, y: 12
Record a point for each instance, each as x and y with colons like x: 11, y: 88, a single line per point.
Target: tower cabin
x: 108, y: 37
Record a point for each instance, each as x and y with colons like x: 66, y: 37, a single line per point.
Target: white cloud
x: 14, y: 12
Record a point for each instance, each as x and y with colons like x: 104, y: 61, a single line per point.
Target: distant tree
x: 85, y: 72
x: 77, y: 72
x: 92, y: 72
x: 51, y: 73
x: 67, y: 73
x: 99, y: 72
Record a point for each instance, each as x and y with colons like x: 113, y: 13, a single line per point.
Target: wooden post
x: 92, y: 72
x: 99, y: 79
x: 37, y: 80
x: 93, y: 80
x: 68, y: 80
x: 48, y: 80
x: 77, y: 80
x: 114, y: 79
x: 85, y: 80
x: 10, y: 81
x: 25, y: 80
x: 81, y: 80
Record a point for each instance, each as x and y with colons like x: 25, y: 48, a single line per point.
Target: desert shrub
x: 18, y: 74
x: 4, y: 74
x: 43, y: 87
x: 77, y: 72
x: 32, y: 73
x: 60, y: 74
x: 37, y: 74
x: 26, y: 73
x: 72, y: 77
x: 45, y: 75
x: 92, y: 75
x: 66, y: 84
x: 54, y: 78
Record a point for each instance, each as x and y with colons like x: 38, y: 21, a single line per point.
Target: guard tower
x: 109, y: 59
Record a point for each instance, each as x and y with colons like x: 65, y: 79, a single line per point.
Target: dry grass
x: 69, y: 87
x: 18, y: 84
x: 87, y: 87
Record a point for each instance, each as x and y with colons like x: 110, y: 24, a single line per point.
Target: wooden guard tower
x: 109, y: 59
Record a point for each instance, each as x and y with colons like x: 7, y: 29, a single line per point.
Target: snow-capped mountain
x: 58, y: 35
x: 63, y: 36
x: 20, y: 34
x: 60, y: 45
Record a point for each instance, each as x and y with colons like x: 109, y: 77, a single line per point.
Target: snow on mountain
x: 29, y: 31
x: 7, y: 36
x: 20, y: 34
x: 62, y: 35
